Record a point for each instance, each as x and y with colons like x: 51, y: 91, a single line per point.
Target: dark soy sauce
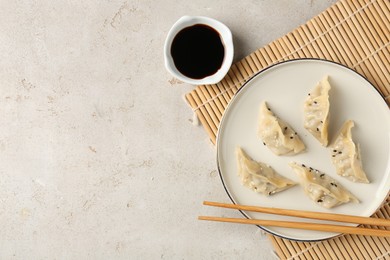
x: 198, y: 51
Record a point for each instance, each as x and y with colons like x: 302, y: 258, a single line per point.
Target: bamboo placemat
x: 355, y: 33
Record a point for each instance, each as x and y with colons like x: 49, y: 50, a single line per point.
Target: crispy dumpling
x: 258, y: 176
x: 316, y: 111
x: 322, y: 189
x: 276, y: 134
x: 346, y: 155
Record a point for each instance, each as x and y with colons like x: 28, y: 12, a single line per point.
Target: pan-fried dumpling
x: 258, y: 176
x: 316, y: 111
x: 276, y: 134
x: 346, y: 155
x: 321, y: 188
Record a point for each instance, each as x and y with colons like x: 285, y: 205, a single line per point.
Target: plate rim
x: 230, y: 104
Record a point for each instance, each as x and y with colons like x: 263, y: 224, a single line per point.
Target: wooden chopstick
x: 304, y: 225
x: 305, y: 214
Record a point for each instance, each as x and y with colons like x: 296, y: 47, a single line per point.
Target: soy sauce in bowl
x: 198, y: 51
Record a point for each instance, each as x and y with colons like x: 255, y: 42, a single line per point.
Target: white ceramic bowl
x: 227, y: 41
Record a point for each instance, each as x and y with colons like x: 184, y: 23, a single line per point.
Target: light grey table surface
x: 98, y: 155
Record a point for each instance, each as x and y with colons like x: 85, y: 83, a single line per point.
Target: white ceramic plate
x: 285, y: 86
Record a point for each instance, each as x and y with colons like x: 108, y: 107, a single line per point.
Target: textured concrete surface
x: 98, y: 155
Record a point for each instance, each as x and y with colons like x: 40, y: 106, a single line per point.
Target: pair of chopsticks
x: 305, y: 225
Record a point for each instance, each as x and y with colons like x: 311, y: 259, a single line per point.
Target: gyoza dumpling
x: 321, y: 188
x: 346, y: 155
x: 276, y: 134
x: 258, y: 176
x: 316, y: 111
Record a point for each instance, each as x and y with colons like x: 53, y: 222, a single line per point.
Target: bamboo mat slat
x: 355, y: 33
